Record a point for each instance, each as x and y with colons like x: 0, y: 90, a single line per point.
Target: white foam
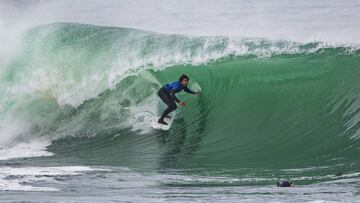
x: 10, y: 129
x: 34, y: 148
x: 13, y: 178
x: 142, y: 115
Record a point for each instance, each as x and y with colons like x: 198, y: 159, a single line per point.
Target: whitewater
x: 280, y: 100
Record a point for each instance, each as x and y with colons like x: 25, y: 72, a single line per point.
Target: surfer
x: 285, y: 184
x: 167, y: 94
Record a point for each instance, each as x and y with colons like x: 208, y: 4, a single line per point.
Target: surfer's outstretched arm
x: 186, y: 89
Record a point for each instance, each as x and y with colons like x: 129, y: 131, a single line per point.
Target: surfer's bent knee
x: 173, y: 106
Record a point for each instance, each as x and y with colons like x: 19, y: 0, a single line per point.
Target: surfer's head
x: 184, y: 79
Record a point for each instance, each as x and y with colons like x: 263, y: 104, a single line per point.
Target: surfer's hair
x: 182, y: 77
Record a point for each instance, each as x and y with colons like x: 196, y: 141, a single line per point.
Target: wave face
x: 277, y: 106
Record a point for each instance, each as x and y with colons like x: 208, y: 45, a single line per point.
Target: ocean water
x: 280, y: 100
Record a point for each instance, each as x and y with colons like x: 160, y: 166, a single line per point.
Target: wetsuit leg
x: 168, y: 101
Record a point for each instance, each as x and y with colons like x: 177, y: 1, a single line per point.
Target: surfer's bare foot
x: 161, y: 121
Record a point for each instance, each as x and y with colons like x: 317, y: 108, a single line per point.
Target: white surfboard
x: 159, y: 126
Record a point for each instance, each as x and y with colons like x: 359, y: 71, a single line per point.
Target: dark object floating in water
x: 285, y: 184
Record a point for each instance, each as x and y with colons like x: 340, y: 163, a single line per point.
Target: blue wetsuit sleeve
x: 172, y: 94
x: 186, y: 89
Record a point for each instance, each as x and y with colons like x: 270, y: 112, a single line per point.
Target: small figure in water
x: 167, y: 94
x: 285, y: 184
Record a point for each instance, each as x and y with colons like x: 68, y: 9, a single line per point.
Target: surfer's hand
x: 182, y: 104
x: 197, y: 93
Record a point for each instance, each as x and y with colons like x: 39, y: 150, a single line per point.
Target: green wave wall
x: 268, y: 106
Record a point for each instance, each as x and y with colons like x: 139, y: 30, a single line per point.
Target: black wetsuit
x: 284, y: 184
x: 167, y: 94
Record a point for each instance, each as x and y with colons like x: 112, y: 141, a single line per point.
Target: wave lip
x: 75, y: 62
